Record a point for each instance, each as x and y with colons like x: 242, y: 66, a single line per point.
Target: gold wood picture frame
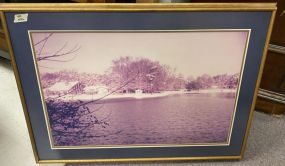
x: 129, y: 82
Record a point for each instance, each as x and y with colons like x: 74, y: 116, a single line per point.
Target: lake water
x: 175, y: 119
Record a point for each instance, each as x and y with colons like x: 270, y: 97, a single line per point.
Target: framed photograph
x: 138, y: 82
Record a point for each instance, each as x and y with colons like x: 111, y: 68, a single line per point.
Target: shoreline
x: 142, y: 95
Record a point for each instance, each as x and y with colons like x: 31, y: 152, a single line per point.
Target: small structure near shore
x: 138, y: 91
x: 62, y: 88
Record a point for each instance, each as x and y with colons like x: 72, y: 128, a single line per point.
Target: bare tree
x: 54, y: 56
x: 70, y: 121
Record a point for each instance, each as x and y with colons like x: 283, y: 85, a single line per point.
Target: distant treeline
x: 219, y: 81
x: 143, y: 74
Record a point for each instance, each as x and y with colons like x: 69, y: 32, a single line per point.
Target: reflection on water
x: 176, y: 119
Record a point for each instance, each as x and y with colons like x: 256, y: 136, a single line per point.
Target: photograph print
x: 139, y: 88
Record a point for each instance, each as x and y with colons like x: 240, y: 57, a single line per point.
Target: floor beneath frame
x: 266, y: 144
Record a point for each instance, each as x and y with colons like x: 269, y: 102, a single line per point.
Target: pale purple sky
x: 191, y: 53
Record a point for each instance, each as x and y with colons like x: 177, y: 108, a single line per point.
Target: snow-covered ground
x: 141, y: 95
x: 213, y: 91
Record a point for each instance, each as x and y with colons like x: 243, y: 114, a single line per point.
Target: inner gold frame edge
x: 227, y: 143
